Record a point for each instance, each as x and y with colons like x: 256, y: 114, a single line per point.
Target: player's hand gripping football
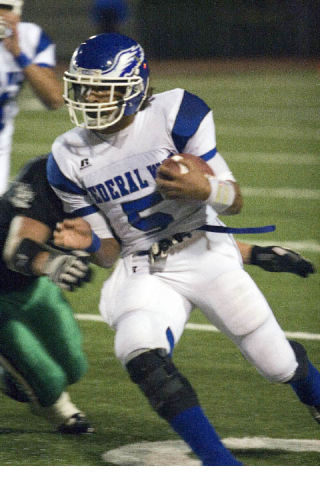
x: 186, y: 181
x: 74, y: 234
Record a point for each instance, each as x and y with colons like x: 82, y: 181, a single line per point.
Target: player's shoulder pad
x: 175, y: 95
x: 34, y: 39
x: 29, y: 29
x: 168, y: 103
x: 62, y: 157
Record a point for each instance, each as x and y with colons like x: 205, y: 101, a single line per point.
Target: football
x: 174, y: 163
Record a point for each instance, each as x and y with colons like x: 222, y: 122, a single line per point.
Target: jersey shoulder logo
x: 84, y: 163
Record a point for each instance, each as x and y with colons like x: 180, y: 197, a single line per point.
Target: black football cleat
x: 315, y: 412
x: 76, y: 425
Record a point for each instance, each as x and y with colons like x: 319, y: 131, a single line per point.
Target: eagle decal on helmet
x: 126, y: 62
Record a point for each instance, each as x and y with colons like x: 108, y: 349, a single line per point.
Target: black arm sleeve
x: 30, y: 195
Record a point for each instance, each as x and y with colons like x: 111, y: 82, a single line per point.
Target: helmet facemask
x: 4, y: 29
x: 14, y: 6
x: 117, y: 94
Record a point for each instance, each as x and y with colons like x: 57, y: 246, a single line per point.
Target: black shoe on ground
x: 315, y: 412
x: 76, y: 425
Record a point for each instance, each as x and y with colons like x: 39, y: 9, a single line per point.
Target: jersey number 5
x: 150, y: 223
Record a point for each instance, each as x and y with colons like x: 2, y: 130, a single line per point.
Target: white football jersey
x: 109, y: 179
x: 37, y: 46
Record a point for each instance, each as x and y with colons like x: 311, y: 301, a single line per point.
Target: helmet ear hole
x: 106, y: 62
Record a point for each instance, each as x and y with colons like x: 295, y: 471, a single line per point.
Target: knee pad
x: 303, y: 362
x: 168, y: 392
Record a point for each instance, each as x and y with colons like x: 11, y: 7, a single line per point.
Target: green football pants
x: 41, y: 340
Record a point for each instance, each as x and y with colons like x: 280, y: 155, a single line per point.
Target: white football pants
x: 149, y: 306
x: 5, y: 152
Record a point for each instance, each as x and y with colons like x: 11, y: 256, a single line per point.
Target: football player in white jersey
x: 26, y: 53
x: 108, y: 171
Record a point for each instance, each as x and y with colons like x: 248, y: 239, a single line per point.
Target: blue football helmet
x: 114, y: 65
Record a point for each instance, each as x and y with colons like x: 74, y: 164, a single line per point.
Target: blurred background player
x: 40, y: 342
x: 109, y: 15
x: 26, y: 53
x: 124, y: 192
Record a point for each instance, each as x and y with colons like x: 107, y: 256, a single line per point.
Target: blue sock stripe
x: 308, y: 389
x: 193, y: 426
x: 170, y: 338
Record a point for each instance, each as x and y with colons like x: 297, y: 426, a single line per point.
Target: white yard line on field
x: 273, y: 192
x: 176, y: 452
x: 31, y: 104
x: 211, y: 328
x: 301, y: 246
x: 296, y: 159
x: 268, y: 131
x: 205, y: 327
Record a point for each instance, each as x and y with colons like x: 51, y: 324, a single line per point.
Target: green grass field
x: 266, y: 125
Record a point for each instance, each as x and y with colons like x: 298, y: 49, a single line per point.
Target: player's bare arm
x: 77, y: 234
x: 43, y: 80
x: 46, y: 85
x: 25, y: 227
x: 73, y: 233
x: 192, y: 183
x: 26, y: 252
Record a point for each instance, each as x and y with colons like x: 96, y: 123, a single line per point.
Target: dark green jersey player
x: 40, y: 342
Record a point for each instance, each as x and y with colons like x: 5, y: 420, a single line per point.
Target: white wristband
x: 222, y: 194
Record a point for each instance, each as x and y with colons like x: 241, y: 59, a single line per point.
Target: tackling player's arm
x: 275, y: 259
x: 77, y: 234
x: 26, y: 252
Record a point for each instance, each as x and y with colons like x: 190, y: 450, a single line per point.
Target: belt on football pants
x: 161, y: 249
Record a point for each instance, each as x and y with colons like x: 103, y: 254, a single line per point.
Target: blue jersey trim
x: 44, y: 42
x: 209, y: 155
x: 220, y: 229
x: 191, y: 113
x: 83, y: 212
x: 44, y: 65
x: 58, y: 180
x: 170, y: 339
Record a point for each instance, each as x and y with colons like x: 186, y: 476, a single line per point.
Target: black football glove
x: 279, y: 259
x: 68, y: 271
